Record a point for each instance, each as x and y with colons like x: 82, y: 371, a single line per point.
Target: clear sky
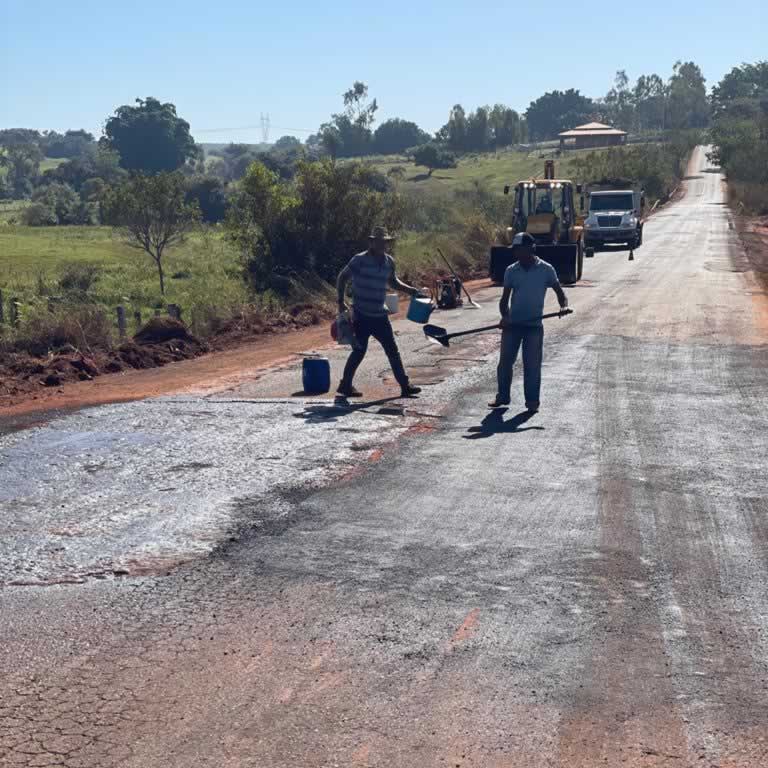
x: 70, y: 63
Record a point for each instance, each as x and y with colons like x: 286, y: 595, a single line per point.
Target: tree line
x: 284, y: 205
x: 149, y: 137
x: 739, y: 133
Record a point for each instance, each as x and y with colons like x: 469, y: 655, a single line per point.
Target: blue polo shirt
x: 529, y: 287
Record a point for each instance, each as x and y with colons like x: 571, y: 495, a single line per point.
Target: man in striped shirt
x: 371, y: 272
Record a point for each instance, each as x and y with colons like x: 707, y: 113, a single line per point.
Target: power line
x: 253, y: 128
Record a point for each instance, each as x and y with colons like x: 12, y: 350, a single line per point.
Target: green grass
x: 201, y: 273
x: 49, y: 163
x: 493, y: 171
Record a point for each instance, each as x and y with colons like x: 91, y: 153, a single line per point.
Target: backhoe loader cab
x: 545, y: 209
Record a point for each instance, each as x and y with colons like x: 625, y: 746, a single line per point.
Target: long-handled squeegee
x: 441, y: 336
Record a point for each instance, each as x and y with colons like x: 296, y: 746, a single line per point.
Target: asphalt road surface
x: 239, y: 577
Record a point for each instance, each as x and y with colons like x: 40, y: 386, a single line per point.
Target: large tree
x: 455, y: 130
x: 557, y: 111
x: 620, y: 102
x: 739, y: 132
x: 69, y: 144
x: 349, y: 133
x: 505, y: 126
x: 151, y: 214
x: 23, y: 167
x: 742, y: 92
x: 650, y: 98
x: 395, y: 135
x: 688, y: 105
x: 150, y: 137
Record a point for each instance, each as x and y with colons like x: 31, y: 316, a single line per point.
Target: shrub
x: 433, y: 156
x: 65, y: 203
x: 78, y: 277
x: 313, y: 226
x: 39, y: 215
x: 82, y: 327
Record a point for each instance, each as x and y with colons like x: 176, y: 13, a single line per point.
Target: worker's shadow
x: 322, y: 412
x: 494, y: 424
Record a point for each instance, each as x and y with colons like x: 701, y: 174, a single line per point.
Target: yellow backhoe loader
x: 546, y: 210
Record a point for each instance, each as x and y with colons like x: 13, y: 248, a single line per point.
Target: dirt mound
x: 162, y: 329
x: 161, y: 341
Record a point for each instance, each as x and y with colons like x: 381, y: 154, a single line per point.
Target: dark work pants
x: 380, y: 328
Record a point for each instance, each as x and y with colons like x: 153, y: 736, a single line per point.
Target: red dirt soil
x: 25, y: 401
x: 754, y: 235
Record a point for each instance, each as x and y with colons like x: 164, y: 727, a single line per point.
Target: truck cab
x: 614, y: 217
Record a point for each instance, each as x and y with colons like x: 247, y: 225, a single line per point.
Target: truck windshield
x: 623, y: 202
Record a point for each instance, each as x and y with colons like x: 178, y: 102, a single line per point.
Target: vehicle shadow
x: 322, y: 412
x: 494, y: 424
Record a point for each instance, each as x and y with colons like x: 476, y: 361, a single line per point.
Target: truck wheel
x: 639, y: 237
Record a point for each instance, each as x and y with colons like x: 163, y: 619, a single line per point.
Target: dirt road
x: 236, y: 577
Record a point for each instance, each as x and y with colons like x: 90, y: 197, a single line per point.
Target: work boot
x: 531, y: 406
x: 498, y: 402
x: 347, y: 390
x: 409, y: 391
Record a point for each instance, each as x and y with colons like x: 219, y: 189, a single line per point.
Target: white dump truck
x: 614, y: 216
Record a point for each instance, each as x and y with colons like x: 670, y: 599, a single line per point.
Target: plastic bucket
x: 316, y: 375
x: 420, y: 310
x: 393, y: 303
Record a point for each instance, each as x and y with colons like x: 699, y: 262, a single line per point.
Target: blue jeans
x: 532, y: 340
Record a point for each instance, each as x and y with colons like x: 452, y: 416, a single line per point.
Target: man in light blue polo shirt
x: 526, y: 281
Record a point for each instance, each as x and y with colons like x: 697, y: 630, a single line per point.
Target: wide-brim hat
x: 380, y: 233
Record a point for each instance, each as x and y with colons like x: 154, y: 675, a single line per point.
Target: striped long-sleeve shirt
x: 370, y: 278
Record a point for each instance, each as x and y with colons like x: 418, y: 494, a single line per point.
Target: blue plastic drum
x: 316, y: 375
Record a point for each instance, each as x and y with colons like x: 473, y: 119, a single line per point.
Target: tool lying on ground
x: 441, y: 336
x: 458, y: 283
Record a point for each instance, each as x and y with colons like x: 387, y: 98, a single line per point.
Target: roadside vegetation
x: 250, y: 237
x: 739, y: 134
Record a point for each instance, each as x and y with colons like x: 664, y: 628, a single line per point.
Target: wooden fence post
x: 14, y: 312
x: 121, y: 325
x: 2, y: 310
x: 137, y: 318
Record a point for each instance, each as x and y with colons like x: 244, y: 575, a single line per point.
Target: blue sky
x: 70, y: 64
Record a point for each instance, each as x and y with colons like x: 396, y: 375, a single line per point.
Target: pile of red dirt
x: 162, y: 340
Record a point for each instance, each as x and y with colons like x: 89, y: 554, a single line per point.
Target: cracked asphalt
x: 248, y: 577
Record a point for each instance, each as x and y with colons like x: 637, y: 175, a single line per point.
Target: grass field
x: 49, y: 163
x: 202, y: 273
x: 492, y: 171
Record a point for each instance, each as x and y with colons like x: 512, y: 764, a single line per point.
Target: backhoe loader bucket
x: 564, y: 258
